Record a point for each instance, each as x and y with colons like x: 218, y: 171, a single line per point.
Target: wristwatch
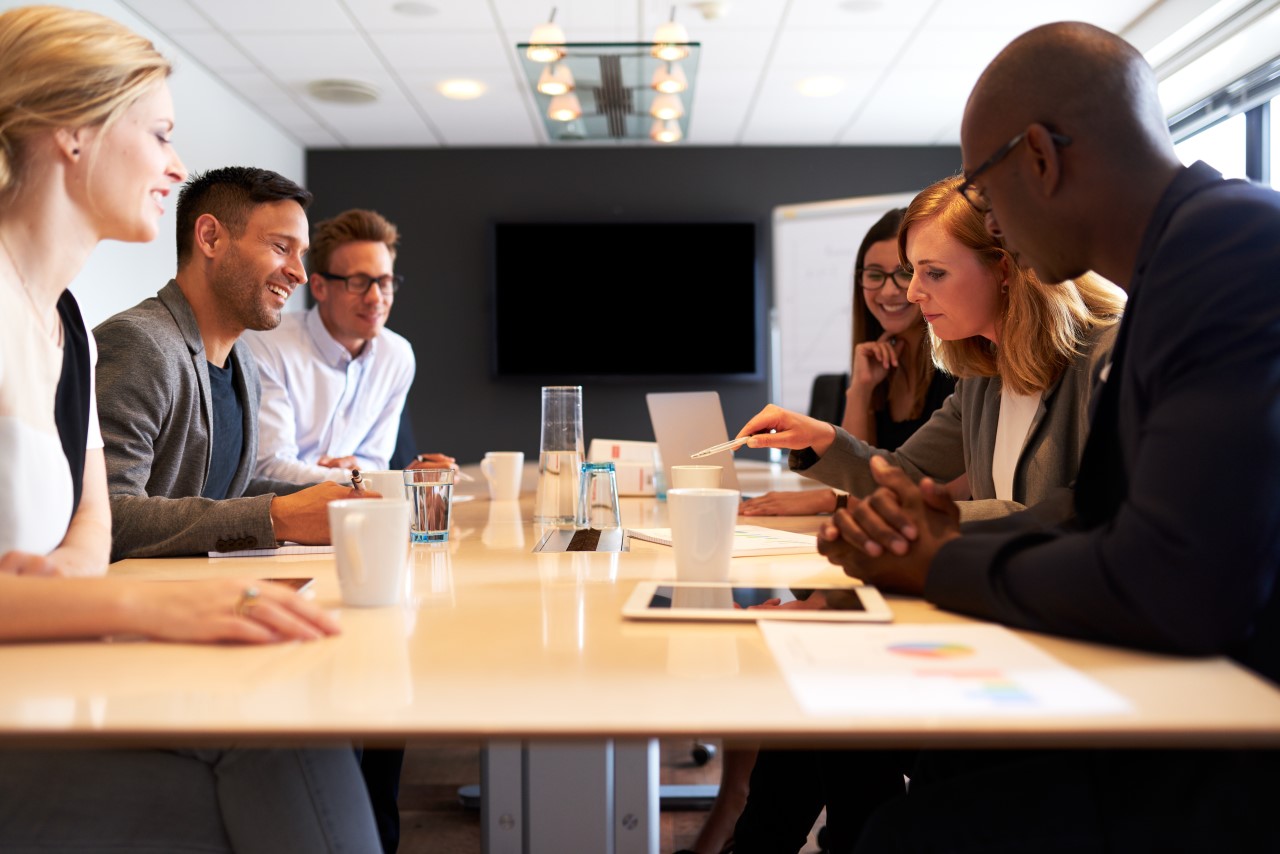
x: 842, y: 500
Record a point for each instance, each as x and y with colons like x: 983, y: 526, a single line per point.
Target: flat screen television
x: 625, y: 300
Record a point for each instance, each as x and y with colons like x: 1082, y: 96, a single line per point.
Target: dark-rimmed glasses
x: 359, y: 283
x: 977, y: 198
x: 873, y: 278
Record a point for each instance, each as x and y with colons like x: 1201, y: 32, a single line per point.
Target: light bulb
x: 555, y: 80
x: 671, y: 42
x: 670, y: 79
x: 668, y: 131
x: 564, y: 108
x: 666, y: 107
x: 545, y: 45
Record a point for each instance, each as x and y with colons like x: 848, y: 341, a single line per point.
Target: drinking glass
x: 560, y: 456
x: 430, y: 493
x: 598, y: 497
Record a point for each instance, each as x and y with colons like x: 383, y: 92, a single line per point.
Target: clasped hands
x: 890, y: 537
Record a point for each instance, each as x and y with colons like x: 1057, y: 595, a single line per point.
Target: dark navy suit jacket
x: 1175, y: 540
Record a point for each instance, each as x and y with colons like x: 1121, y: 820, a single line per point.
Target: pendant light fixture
x: 556, y: 79
x: 671, y: 41
x: 546, y: 44
x: 669, y: 78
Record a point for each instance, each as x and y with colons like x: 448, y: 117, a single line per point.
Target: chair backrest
x: 826, y: 401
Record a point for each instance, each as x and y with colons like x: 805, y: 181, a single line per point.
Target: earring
x: 75, y: 152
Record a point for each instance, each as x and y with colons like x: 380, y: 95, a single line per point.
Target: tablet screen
x: 719, y: 597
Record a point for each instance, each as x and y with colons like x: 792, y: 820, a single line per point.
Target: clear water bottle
x: 560, y: 456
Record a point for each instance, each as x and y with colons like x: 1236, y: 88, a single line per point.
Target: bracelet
x: 842, y: 500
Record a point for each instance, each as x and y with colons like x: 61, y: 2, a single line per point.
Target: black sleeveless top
x: 71, y: 405
x: 891, y: 434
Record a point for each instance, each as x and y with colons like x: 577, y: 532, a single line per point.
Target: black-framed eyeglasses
x: 873, y: 278
x: 977, y: 198
x: 359, y: 283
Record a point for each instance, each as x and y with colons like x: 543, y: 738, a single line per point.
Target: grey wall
x: 445, y: 202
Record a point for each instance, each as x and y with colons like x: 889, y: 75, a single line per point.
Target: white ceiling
x: 907, y: 65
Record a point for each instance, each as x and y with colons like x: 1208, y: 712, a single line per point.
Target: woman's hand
x: 808, y: 502
x: 775, y: 427
x: 27, y: 563
x: 872, y: 361
x: 223, y: 609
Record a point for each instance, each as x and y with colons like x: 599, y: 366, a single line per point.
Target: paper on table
x: 748, y: 540
x: 290, y: 549
x: 928, y: 670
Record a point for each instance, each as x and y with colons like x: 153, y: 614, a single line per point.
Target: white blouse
x: 36, y: 498
x: 1017, y: 411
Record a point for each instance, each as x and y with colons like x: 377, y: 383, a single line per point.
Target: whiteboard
x: 814, y: 247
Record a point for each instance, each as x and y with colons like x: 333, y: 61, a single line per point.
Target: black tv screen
x: 627, y: 300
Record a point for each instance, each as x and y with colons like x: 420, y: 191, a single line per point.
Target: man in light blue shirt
x: 334, y: 379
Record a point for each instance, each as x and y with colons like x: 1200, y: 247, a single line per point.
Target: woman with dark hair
x: 893, y: 387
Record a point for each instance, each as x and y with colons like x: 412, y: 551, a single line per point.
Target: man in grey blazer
x: 178, y: 391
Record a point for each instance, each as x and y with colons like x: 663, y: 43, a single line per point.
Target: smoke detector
x: 712, y: 9
x: 340, y: 91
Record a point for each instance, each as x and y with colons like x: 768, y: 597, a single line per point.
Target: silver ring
x: 248, y: 598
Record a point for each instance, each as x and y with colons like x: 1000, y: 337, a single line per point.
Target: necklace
x: 52, y: 332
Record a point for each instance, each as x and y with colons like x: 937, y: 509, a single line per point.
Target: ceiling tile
x: 167, y: 15
x: 214, y: 51
x: 858, y: 15
x: 449, y: 51
x: 312, y: 55
x: 381, y: 15
x: 835, y: 49
x: 283, y: 17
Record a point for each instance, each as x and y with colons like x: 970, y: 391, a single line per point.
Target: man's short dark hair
x: 230, y: 194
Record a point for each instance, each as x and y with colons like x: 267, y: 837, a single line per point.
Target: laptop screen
x: 687, y: 422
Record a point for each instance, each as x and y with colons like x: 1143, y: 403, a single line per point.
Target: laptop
x: 687, y: 422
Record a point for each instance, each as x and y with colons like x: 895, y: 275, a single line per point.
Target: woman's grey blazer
x: 961, y: 437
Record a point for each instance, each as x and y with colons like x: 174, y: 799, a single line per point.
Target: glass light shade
x: 564, y: 108
x: 667, y: 107
x: 668, y: 131
x: 555, y: 80
x: 670, y: 79
x: 543, y: 44
x: 671, y: 42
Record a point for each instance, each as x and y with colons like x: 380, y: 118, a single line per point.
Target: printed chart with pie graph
x: 929, y: 669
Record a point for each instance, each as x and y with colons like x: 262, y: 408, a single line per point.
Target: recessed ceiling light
x: 820, y: 87
x: 338, y: 91
x: 461, y: 89
x: 413, y: 8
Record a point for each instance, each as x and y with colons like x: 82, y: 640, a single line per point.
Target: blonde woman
x: 893, y: 387
x: 1026, y: 355
x: 85, y: 155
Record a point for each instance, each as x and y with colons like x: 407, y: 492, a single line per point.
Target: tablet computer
x: 676, y: 600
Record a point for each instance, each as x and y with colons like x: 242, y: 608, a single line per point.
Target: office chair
x: 826, y: 399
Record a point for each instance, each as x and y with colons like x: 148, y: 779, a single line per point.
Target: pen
x: 356, y: 482
x: 731, y: 445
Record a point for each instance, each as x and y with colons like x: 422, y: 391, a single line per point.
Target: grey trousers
x: 240, y: 800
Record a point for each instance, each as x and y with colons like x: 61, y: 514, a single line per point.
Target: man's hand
x: 433, y: 461
x: 889, y: 538
x: 338, y: 462
x: 303, y: 517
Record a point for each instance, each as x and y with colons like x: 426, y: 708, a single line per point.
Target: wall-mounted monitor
x: 627, y: 300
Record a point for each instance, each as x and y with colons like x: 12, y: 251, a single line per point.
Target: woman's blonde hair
x: 66, y: 68
x: 1041, y: 327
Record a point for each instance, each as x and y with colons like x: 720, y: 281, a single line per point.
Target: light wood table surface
x: 496, y: 641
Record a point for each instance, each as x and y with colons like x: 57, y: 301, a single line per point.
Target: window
x: 1221, y: 145
x: 1275, y: 143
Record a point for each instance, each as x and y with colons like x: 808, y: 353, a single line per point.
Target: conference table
x: 529, y: 652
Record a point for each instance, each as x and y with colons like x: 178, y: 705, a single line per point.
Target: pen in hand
x: 356, y: 482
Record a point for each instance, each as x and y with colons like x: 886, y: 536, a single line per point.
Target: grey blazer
x: 156, y: 412
x: 961, y: 437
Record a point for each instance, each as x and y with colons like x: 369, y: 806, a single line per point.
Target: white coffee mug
x: 693, y: 477
x: 371, y: 548
x: 702, y: 523
x: 503, y: 470
x: 389, y: 483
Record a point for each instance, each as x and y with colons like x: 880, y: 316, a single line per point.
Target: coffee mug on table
x: 371, y: 549
x: 690, y: 477
x: 503, y: 470
x: 702, y: 523
x: 389, y: 483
